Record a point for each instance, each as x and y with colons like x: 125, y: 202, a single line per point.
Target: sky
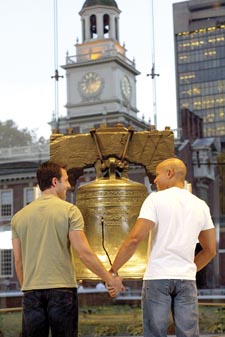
x: 27, y: 58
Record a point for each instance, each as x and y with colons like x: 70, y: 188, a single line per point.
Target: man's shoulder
x: 56, y: 200
x: 24, y: 209
x: 68, y: 206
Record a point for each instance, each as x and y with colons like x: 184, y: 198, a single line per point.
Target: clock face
x: 91, y: 84
x: 126, y: 87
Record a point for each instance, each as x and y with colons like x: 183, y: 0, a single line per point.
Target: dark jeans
x: 50, y: 308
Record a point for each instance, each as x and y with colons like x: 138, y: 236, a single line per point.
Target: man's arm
x: 138, y: 233
x: 18, y: 260
x: 81, y: 245
x: 207, y: 240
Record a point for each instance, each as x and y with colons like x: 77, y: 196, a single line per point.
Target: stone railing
x: 106, y: 54
x: 24, y: 153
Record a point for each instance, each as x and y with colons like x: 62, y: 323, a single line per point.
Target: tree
x: 11, y: 136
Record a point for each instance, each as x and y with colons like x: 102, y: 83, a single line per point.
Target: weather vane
x: 56, y: 76
x: 153, y: 74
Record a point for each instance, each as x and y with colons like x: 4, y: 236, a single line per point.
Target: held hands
x: 115, y: 285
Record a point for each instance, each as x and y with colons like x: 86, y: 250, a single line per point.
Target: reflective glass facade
x: 200, y: 62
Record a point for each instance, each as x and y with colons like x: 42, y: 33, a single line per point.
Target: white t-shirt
x: 179, y: 217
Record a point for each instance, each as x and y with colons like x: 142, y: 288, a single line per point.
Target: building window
x: 28, y: 195
x: 117, y: 29
x: 6, y: 201
x: 83, y: 30
x: 106, y: 25
x: 93, y: 26
x: 6, y: 263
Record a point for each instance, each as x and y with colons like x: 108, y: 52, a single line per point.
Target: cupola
x: 100, y: 20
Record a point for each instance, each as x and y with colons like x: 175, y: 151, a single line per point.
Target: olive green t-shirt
x: 43, y: 228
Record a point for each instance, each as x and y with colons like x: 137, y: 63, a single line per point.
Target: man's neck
x: 49, y: 191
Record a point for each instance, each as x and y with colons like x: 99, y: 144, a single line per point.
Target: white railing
x: 99, y: 56
x: 20, y: 153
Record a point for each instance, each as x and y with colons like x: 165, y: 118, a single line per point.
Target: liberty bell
x: 110, y: 204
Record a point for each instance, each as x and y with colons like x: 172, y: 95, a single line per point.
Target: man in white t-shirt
x: 175, y: 220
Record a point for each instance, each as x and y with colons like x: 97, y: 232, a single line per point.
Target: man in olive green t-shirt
x: 42, y: 235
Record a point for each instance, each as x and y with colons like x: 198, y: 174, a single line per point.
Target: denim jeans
x: 160, y: 297
x: 56, y: 309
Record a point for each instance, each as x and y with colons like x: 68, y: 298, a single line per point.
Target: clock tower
x: 101, y: 80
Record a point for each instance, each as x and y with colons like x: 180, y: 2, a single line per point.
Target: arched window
x: 83, y: 30
x: 106, y: 25
x: 93, y: 26
x: 117, y: 29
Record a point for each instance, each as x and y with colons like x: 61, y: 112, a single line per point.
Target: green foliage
x: 11, y: 136
x: 212, y: 319
x: 10, y: 324
x: 216, y: 327
x: 117, y: 320
x: 106, y: 331
x: 135, y: 330
x: 1, y: 331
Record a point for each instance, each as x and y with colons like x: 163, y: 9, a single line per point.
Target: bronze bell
x: 110, y: 206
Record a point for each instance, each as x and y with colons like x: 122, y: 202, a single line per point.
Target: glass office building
x: 199, y: 28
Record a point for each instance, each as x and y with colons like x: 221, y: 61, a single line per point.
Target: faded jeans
x: 55, y: 309
x: 160, y: 297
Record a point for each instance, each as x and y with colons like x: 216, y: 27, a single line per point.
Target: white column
x: 112, y: 28
x: 100, y: 25
x: 87, y: 27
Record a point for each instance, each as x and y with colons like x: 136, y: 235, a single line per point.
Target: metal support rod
x: 93, y: 134
x: 131, y: 131
x: 56, y: 75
